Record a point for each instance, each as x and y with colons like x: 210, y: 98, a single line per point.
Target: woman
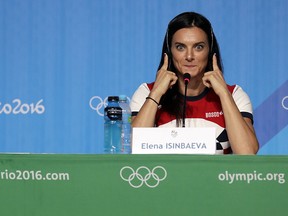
x: 190, y: 47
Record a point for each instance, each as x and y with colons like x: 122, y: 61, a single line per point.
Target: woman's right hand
x: 165, y: 79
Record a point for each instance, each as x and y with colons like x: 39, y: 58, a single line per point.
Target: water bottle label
x: 114, y: 113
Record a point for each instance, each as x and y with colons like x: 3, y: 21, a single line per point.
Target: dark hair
x: 171, y: 100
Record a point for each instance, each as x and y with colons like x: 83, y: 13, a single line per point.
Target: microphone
x: 186, y: 78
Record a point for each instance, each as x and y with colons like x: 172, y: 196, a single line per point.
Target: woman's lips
x: 190, y: 66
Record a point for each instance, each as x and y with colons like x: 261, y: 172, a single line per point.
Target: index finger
x: 215, y: 64
x: 165, y: 63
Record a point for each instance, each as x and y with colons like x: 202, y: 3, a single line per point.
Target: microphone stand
x: 186, y: 81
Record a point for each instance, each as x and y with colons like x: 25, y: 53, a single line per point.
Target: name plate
x: 173, y: 141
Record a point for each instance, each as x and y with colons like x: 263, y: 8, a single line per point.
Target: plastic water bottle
x: 112, y: 126
x: 126, y: 124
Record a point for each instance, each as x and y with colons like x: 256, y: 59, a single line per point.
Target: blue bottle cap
x: 122, y: 97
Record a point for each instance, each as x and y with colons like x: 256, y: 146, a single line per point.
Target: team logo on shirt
x: 213, y: 114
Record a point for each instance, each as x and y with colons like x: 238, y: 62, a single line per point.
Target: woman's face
x: 190, y: 50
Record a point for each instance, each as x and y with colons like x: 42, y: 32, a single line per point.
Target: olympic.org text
x: 28, y: 175
x: 251, y: 177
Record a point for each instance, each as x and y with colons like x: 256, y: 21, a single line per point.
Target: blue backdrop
x: 60, y: 59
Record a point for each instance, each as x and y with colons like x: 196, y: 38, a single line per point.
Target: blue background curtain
x: 60, y: 59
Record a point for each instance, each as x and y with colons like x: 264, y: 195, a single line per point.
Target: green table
x: 55, y: 184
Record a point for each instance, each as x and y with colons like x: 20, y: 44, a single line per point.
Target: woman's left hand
x: 214, y: 79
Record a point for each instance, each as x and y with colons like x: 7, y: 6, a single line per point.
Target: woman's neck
x: 195, y: 87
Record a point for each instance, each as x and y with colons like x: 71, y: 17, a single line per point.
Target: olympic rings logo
x: 143, y: 175
x: 98, y: 104
x: 283, y: 103
x: 101, y: 104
